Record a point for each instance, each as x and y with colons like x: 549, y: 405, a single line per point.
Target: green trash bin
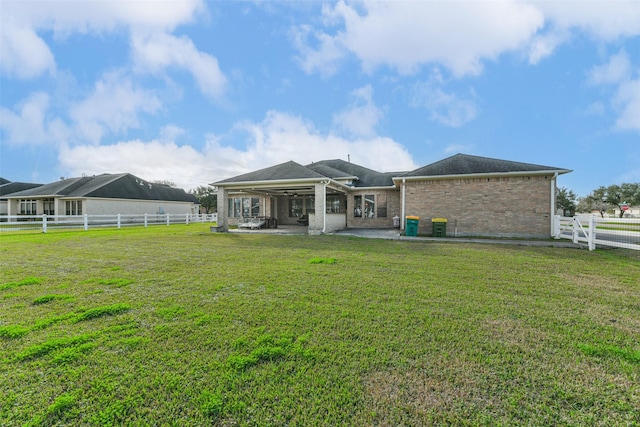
x: 439, y: 226
x: 411, y: 228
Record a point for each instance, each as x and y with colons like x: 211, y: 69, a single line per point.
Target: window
x: 28, y: 207
x: 367, y: 208
x: 295, y: 207
x: 336, y: 204
x: 48, y: 207
x: 382, y: 205
x: 73, y: 207
x: 311, y: 205
x: 357, y: 210
x: 243, y: 207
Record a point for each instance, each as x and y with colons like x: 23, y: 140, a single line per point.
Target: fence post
x: 119, y: 221
x: 86, y: 222
x: 145, y: 220
x: 44, y: 223
x: 168, y: 220
x: 592, y: 233
x: 187, y: 219
x: 575, y: 228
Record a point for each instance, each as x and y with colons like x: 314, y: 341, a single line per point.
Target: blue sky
x: 194, y: 92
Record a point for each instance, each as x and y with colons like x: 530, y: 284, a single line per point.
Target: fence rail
x: 595, y: 231
x: 44, y: 223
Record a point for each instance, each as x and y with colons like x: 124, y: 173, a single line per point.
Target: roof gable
x: 284, y: 171
x: 365, y: 177
x: 464, y: 164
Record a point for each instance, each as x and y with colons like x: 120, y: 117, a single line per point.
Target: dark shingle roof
x: 4, y: 181
x: 110, y: 186
x: 366, y: 177
x: 285, y: 171
x: 464, y: 164
x: 13, y: 187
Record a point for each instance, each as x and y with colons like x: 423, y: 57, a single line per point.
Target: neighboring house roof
x: 464, y: 164
x: 110, y: 186
x: 4, y: 181
x: 13, y: 187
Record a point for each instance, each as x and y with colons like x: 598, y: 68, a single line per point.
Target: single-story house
x: 478, y: 196
x: 8, y: 187
x: 106, y: 194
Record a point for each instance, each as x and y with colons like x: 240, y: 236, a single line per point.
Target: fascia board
x: 481, y: 175
x: 268, y: 184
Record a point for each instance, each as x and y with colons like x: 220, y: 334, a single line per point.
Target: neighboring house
x: 478, y: 196
x: 8, y: 187
x: 105, y: 194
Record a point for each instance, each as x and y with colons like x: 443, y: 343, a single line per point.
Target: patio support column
x: 316, y: 226
x: 223, y: 222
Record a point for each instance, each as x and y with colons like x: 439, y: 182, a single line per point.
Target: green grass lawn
x: 179, y: 326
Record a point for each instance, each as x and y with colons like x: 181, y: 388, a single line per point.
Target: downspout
x: 553, y: 203
x: 403, y: 202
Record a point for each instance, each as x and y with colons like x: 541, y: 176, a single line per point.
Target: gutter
x: 484, y: 175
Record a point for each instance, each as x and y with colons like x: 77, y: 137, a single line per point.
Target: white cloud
x: 446, y: 108
x: 457, y: 35
x: 361, y: 116
x: 620, y: 72
x: 23, y: 54
x: 280, y: 137
x: 627, y: 100
x: 616, y: 70
x: 158, y: 51
x: 151, y: 160
x: 407, y: 35
x: 114, y: 105
x: 30, y: 125
x: 603, y: 20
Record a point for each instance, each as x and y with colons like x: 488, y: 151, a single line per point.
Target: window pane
x: 230, y: 208
x: 369, y: 206
x: 79, y: 207
x: 255, y: 206
x: 246, y: 207
x: 236, y: 207
x: 382, y: 205
x: 311, y: 204
x: 357, y: 211
x: 295, y: 207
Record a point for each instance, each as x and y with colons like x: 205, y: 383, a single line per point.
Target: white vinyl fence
x: 44, y: 223
x: 596, y: 231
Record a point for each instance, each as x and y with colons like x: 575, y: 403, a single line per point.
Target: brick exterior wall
x: 393, y: 209
x: 496, y: 206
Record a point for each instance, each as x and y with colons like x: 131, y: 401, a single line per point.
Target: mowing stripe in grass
x: 24, y: 282
x: 108, y: 310
x: 50, y: 297
x: 48, y: 346
x: 610, y: 351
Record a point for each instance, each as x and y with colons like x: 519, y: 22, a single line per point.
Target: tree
x: 565, y: 199
x: 208, y: 198
x: 626, y: 193
x: 605, y: 198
